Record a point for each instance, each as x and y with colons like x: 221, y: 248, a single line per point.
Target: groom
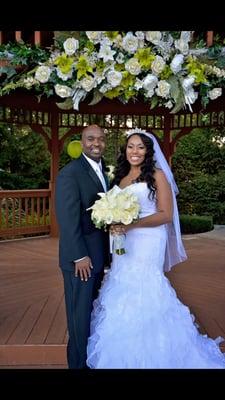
x: 83, y: 249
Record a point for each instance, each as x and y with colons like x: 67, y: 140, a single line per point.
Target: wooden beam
x: 18, y: 35
x: 209, y: 38
x: 37, y: 37
x: 167, y: 136
x: 55, y: 154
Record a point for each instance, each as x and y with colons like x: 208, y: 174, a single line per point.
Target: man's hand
x: 83, y: 268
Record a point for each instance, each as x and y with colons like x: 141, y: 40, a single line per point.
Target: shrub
x: 203, y: 195
x: 195, y: 223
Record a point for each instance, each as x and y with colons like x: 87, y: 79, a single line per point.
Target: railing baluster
x: 20, y: 211
x: 18, y: 214
x: 27, y: 211
x: 44, y: 210
x: 38, y: 210
x: 6, y: 213
x: 32, y: 210
x: 13, y: 212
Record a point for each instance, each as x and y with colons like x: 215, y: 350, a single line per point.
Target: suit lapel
x: 106, y: 179
x: 91, y: 173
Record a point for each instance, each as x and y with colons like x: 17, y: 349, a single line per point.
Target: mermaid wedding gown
x: 137, y: 320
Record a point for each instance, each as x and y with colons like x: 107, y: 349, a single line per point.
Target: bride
x: 137, y: 320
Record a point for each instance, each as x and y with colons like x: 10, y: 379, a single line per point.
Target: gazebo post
x: 166, y: 143
x: 55, y: 154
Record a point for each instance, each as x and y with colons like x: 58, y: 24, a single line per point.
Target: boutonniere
x: 110, y: 172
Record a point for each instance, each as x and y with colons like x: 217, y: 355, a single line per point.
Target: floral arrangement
x: 110, y: 172
x: 115, y: 206
x: 160, y: 67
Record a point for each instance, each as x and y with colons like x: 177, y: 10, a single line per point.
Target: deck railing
x: 24, y: 212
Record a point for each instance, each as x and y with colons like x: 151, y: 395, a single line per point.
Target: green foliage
x: 114, y: 144
x: 22, y: 53
x: 199, y: 165
x: 195, y: 223
x: 19, y: 54
x: 24, y: 159
x: 23, y: 220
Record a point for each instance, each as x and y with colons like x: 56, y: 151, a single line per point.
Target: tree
x: 199, y: 165
x: 24, y: 158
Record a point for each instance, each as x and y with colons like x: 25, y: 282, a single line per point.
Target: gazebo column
x: 55, y: 154
x: 166, y: 143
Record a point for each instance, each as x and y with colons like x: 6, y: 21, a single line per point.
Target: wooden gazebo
x: 24, y: 109
x: 44, y: 116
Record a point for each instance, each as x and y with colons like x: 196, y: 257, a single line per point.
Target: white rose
x: 140, y: 35
x: 63, y: 90
x: 109, y: 219
x: 94, y: 36
x: 70, y: 46
x: 87, y: 83
x: 133, y: 66
x: 188, y: 82
x: 215, y: 71
x: 120, y: 58
x: 29, y: 82
x: 214, y: 93
x: 158, y: 65
x: 176, y: 63
x: 220, y: 73
x: 64, y: 77
x: 130, y: 43
x: 141, y: 44
x: 116, y: 215
x: 118, y: 41
x: 153, y: 36
x: 150, y: 82
x: 114, y: 78
x: 42, y: 74
x: 163, y: 89
x: 126, y: 218
x: 182, y: 46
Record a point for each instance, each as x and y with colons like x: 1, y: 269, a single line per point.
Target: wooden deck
x: 32, y: 311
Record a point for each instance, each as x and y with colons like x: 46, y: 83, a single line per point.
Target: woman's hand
x: 117, y: 229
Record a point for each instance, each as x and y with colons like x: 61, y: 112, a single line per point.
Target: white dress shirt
x: 97, y: 167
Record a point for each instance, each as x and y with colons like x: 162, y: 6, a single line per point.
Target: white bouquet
x: 115, y: 207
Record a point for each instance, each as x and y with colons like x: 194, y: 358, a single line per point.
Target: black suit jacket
x: 77, y: 188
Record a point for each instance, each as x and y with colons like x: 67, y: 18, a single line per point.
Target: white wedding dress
x: 137, y: 320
